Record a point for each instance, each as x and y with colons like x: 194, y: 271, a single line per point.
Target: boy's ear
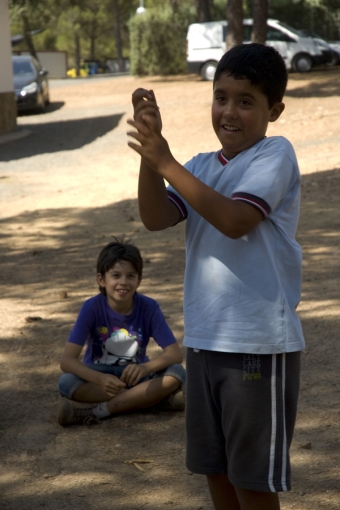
x: 139, y: 281
x: 101, y: 280
x: 276, y: 111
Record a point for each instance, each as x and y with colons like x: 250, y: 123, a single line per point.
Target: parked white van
x: 206, y: 45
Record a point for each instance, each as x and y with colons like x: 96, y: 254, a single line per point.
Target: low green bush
x: 158, y: 42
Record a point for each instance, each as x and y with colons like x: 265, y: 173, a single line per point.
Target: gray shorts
x: 240, y: 416
x: 68, y: 383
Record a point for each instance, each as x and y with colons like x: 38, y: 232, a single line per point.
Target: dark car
x: 30, y: 83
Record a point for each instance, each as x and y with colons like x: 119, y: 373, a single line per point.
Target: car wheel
x: 208, y: 70
x: 47, y: 96
x: 335, y: 58
x: 302, y: 63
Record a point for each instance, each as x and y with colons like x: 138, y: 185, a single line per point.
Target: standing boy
x: 242, y: 277
x: 116, y: 376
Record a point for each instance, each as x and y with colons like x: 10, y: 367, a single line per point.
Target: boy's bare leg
x: 90, y: 392
x: 227, y: 497
x: 254, y: 500
x: 222, y: 493
x: 140, y: 396
x: 143, y: 395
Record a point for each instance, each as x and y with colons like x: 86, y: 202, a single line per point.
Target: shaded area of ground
x: 65, y: 135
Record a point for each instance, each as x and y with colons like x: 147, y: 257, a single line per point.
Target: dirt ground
x: 66, y: 188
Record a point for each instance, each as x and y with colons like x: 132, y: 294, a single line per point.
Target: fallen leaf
x: 306, y: 446
x: 33, y: 318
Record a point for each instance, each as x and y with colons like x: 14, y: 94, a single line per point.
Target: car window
x: 291, y: 29
x: 247, y: 30
x: 22, y: 68
x: 38, y: 65
x: 272, y: 34
x: 275, y: 35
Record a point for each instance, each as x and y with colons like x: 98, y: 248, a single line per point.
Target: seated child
x: 116, y: 376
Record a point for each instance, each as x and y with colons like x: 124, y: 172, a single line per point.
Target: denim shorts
x: 68, y: 383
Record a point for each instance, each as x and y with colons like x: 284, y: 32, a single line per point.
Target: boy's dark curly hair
x: 262, y: 65
x: 116, y: 251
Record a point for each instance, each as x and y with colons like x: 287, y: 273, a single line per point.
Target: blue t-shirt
x: 97, y: 322
x: 240, y: 295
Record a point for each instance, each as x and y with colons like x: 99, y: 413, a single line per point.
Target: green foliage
x: 92, y: 22
x: 306, y: 15
x: 332, y: 5
x: 158, y: 42
x: 40, y: 13
x: 219, y: 10
x: 86, y: 29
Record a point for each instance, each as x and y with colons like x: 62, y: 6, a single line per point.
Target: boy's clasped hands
x: 131, y: 376
x: 153, y: 148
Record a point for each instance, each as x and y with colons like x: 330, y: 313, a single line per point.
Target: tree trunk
x: 77, y: 52
x: 93, y: 39
x: 118, y: 37
x: 174, y: 5
x: 28, y: 36
x: 235, y: 23
x: 260, y: 14
x: 203, y: 10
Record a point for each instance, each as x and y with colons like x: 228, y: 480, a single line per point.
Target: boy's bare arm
x: 155, y: 209
x: 70, y: 363
x: 233, y: 218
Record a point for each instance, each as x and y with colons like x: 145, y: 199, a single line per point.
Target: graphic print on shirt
x: 251, y: 367
x: 120, y: 348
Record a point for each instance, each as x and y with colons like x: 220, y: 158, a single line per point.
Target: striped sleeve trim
x: 179, y: 204
x: 222, y: 159
x: 253, y: 200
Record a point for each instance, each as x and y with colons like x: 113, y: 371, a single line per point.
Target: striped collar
x: 222, y: 159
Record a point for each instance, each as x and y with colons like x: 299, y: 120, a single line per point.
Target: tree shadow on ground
x: 52, y: 137
x: 325, y: 83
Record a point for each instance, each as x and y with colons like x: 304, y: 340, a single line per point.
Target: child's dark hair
x: 262, y: 65
x: 116, y: 251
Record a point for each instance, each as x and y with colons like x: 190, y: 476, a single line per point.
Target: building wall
x: 54, y: 61
x: 8, y: 111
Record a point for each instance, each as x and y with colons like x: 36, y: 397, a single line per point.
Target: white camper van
x: 206, y: 45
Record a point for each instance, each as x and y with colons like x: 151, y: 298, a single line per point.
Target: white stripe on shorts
x: 284, y: 445
x: 274, y: 425
x: 273, y: 437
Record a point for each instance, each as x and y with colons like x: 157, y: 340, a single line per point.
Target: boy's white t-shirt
x: 241, y: 295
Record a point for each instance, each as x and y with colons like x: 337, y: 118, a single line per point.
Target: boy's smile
x: 240, y: 114
x: 120, y: 283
